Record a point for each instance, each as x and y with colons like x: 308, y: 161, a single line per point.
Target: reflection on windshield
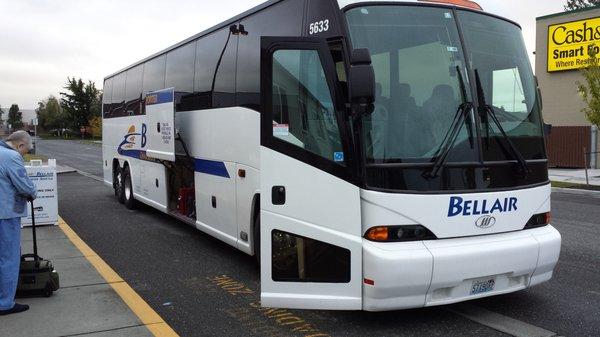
x: 497, y: 51
x: 415, y: 56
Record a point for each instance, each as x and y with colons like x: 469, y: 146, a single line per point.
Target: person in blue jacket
x: 15, y: 190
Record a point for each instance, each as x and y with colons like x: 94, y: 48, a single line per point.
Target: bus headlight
x: 539, y: 220
x: 399, y: 233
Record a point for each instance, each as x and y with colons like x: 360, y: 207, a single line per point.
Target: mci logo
x: 485, y: 222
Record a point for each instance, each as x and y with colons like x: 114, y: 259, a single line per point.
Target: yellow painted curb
x: 151, y: 320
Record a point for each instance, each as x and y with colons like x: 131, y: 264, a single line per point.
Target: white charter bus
x: 373, y: 155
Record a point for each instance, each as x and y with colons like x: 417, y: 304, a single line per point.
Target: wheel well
x: 115, y: 166
x: 255, y: 208
x: 255, y: 213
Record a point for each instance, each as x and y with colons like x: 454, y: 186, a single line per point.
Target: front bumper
x: 428, y: 273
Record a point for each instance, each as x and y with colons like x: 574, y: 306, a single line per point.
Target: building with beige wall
x: 562, y: 48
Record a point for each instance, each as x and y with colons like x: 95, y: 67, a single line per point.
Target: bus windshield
x: 421, y: 68
x: 497, y: 52
x: 416, y: 56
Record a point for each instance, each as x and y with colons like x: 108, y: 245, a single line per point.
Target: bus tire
x: 128, y: 198
x: 256, y: 233
x: 118, y: 185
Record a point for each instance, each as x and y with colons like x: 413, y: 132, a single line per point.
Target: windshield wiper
x: 462, y: 115
x: 463, y: 92
x: 487, y: 113
x: 459, y: 119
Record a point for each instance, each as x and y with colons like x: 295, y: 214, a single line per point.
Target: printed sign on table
x: 46, y: 203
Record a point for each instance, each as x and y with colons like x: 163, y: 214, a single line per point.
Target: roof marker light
x: 461, y: 3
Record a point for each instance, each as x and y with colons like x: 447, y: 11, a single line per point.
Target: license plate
x: 483, y: 286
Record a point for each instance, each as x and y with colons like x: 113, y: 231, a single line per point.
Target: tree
x: 15, y: 117
x: 50, y: 114
x: 590, y: 90
x: 1, y: 113
x: 81, y: 103
x: 96, y: 127
x: 578, y: 4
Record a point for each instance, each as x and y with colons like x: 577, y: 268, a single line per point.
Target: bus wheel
x: 119, y: 185
x: 256, y: 230
x: 128, y: 198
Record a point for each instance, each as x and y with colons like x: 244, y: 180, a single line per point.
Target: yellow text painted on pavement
x: 260, y: 320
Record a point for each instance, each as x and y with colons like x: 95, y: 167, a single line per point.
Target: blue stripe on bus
x: 137, y: 154
x: 215, y: 168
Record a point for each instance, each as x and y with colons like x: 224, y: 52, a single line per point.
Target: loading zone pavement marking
x: 260, y: 320
x: 151, y: 320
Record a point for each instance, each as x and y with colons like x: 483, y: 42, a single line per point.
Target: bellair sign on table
x: 46, y: 203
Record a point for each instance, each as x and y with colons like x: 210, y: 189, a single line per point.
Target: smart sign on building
x: 571, y: 44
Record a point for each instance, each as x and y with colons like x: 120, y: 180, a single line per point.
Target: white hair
x: 20, y: 137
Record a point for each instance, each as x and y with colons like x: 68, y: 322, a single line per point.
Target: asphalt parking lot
x: 203, y: 287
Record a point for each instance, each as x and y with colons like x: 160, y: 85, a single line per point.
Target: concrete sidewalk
x: 85, y: 305
x: 574, y: 176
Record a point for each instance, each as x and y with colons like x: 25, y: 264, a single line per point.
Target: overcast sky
x: 42, y: 42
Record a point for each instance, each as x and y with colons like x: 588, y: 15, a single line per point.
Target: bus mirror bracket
x: 361, y: 83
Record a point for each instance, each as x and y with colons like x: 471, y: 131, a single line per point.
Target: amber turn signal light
x: 399, y: 233
x: 378, y: 234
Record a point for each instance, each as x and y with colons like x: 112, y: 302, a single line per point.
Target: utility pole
x: 35, y: 125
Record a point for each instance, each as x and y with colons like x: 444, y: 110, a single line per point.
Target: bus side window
x: 133, y: 91
x: 118, y: 96
x: 281, y: 19
x: 154, y: 77
x: 180, y: 74
x: 208, y: 51
x: 106, y: 98
x: 224, y: 93
x: 299, y: 79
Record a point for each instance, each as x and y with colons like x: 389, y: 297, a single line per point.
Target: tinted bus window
x: 133, y: 90
x: 283, y: 19
x: 106, y: 97
x: 224, y: 94
x: 154, y: 75
x: 118, y: 96
x: 208, y: 51
x: 180, y: 73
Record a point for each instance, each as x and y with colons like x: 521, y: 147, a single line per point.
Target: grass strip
x: 562, y: 184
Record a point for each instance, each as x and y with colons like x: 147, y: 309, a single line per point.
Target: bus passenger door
x: 310, y: 219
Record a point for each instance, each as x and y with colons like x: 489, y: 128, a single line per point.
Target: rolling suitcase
x: 37, y: 275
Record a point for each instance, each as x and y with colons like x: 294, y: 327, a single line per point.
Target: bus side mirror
x: 539, y: 93
x: 361, y: 82
x: 547, y: 129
